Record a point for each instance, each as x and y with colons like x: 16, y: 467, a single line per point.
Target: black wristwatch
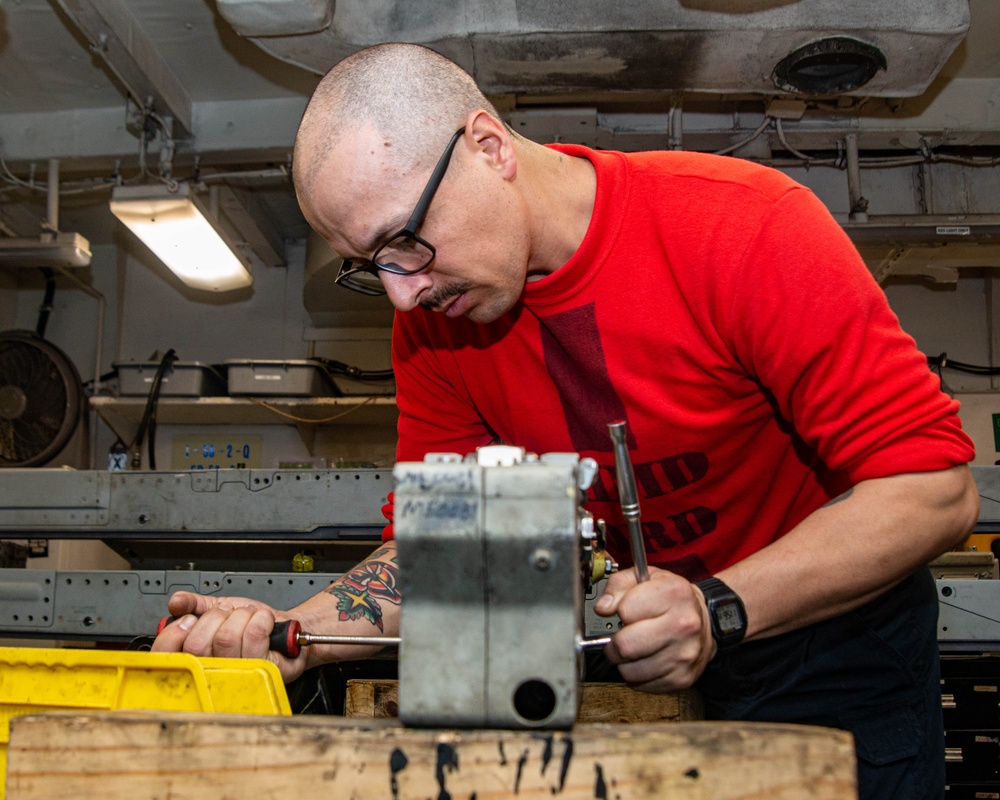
x: 726, y: 612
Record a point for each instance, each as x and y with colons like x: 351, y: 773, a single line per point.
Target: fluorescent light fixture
x: 60, y: 250
x: 177, y: 228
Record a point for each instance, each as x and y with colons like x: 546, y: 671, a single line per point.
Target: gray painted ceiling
x: 60, y: 99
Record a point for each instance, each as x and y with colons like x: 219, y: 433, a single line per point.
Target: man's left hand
x: 666, y: 640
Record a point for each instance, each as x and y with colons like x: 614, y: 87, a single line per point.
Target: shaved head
x: 412, y: 96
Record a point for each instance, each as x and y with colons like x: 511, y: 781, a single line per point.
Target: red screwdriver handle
x: 284, y: 638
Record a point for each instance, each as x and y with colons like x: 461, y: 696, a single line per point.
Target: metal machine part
x: 491, y: 557
x: 968, y: 615
x: 968, y: 590
x: 988, y: 483
x: 230, y: 532
x: 118, y: 605
x: 322, y: 504
x: 245, y: 555
x: 233, y: 533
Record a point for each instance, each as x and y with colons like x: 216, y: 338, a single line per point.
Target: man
x: 788, y: 438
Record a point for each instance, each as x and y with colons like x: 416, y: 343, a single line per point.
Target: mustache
x: 440, y: 296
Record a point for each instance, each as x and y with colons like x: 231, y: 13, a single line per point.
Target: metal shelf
x: 123, y: 414
x: 366, y: 410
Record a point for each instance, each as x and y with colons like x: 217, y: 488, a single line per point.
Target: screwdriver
x: 288, y: 638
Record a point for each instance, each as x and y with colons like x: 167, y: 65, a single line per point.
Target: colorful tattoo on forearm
x: 359, y: 590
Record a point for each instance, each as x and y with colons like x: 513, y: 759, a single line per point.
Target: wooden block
x: 142, y: 755
x: 372, y: 699
x: 599, y: 702
x: 616, y: 702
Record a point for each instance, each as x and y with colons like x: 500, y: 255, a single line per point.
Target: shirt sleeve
x: 814, y: 328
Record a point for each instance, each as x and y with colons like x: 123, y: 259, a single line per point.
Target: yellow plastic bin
x: 33, y: 680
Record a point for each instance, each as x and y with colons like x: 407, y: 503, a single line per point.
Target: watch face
x: 728, y: 616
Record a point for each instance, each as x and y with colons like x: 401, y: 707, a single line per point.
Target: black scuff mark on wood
x: 520, y: 769
x: 546, y: 752
x: 503, y: 755
x: 447, y: 761
x: 693, y: 774
x: 600, y: 788
x: 567, y: 759
x: 397, y: 763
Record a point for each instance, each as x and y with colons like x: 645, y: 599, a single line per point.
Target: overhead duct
x: 770, y: 47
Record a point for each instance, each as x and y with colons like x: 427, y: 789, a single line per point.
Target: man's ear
x: 490, y: 137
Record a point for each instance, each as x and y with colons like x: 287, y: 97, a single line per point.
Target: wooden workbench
x: 141, y: 755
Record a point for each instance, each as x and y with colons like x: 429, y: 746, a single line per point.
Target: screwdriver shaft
x: 629, y: 498
x: 361, y: 641
x: 306, y: 639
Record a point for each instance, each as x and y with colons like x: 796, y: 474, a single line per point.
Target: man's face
x: 363, y: 195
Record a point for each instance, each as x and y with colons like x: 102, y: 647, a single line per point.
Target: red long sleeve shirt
x: 717, y: 307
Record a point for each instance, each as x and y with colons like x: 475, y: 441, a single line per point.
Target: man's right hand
x: 364, y: 601
x: 224, y: 627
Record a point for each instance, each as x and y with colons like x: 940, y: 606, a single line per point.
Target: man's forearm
x: 850, y: 551
x: 364, y: 601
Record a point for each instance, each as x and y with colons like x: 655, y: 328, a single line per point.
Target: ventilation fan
x: 40, y: 399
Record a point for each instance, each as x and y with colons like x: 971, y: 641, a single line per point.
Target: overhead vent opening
x: 829, y: 66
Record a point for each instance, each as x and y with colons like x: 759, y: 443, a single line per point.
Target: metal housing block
x: 491, y: 576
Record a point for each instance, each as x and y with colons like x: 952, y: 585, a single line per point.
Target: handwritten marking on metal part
x: 397, y: 763
x: 428, y: 480
x: 454, y: 508
x: 447, y: 760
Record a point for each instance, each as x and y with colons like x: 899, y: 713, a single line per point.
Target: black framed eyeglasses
x: 403, y: 253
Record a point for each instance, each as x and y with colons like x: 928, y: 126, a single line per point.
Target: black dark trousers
x: 874, y: 672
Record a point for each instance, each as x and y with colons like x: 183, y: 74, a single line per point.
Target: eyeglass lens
x: 405, y: 253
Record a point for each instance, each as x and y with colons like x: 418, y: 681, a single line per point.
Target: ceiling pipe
x: 858, y: 202
x: 52, y: 214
